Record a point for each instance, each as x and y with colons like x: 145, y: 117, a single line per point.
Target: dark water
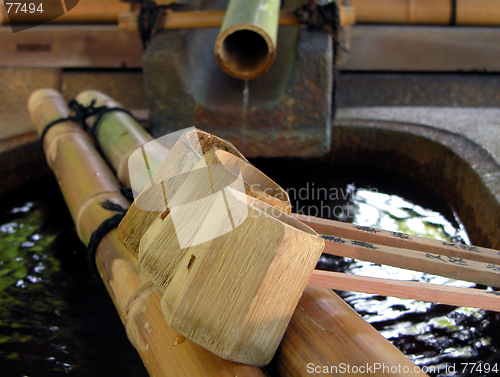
x: 438, y: 338
x: 55, y: 319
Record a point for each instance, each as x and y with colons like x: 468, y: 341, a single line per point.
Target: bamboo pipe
x: 246, y: 45
x: 85, y: 11
x: 123, y: 133
x: 86, y: 181
x: 467, y: 12
x: 326, y: 331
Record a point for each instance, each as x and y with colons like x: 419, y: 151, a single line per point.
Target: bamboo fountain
x: 321, y: 322
x: 323, y: 331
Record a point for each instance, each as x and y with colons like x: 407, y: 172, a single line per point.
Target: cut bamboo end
x: 46, y: 106
x: 246, y: 45
x: 257, y: 184
x: 244, y: 51
x: 183, y: 157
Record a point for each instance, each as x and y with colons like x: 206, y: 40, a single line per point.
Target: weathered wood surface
x: 373, y: 48
x: 423, y: 48
x: 81, y: 46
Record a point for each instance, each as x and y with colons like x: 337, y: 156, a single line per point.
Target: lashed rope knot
x: 80, y: 116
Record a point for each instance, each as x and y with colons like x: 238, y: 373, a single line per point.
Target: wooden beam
x: 373, y: 48
x: 423, y: 48
x: 89, y: 46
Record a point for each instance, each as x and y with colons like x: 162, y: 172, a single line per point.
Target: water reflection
x: 54, y: 319
x: 430, y: 334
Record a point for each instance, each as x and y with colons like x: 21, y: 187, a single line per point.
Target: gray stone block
x: 289, y: 108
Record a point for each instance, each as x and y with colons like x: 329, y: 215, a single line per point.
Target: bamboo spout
x: 246, y: 45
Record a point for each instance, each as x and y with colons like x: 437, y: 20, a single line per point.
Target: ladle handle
x: 437, y: 264
x: 468, y: 297
x: 396, y: 239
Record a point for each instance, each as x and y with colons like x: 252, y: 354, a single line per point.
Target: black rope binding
x: 102, y: 230
x: 323, y: 18
x: 81, y: 113
x: 151, y: 17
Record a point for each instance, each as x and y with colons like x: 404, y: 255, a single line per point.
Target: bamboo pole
x: 86, y: 11
x: 403, y: 11
x: 467, y: 12
x: 122, y: 134
x: 214, y: 18
x: 324, y: 330
x: 86, y: 181
x: 340, y: 338
x: 246, y: 45
x: 478, y: 12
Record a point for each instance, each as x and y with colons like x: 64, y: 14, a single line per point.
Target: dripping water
x: 244, y: 112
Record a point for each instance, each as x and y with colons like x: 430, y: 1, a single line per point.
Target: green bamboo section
x: 326, y: 331
x: 86, y: 181
x: 246, y: 45
x: 120, y: 135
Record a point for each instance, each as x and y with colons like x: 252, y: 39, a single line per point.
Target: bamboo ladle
x: 463, y: 262
x: 192, y: 275
x: 427, y: 292
x: 323, y: 330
